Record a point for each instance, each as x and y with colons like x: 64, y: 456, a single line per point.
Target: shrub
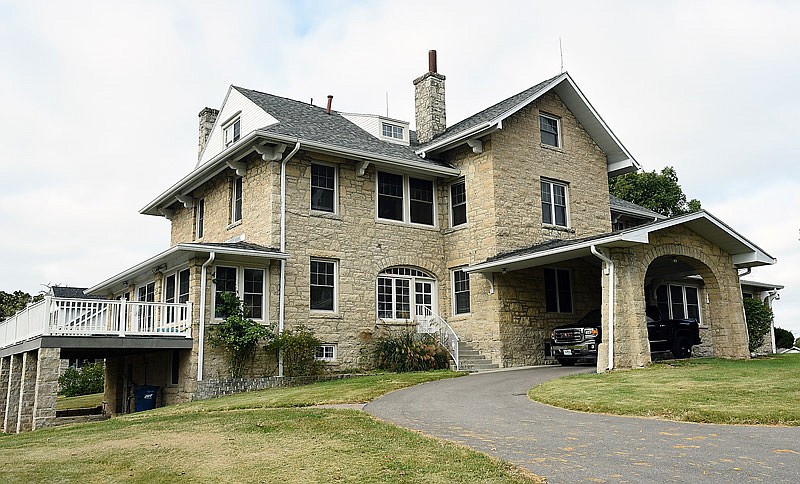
x: 783, y: 338
x: 759, y: 319
x: 409, y: 352
x: 299, y: 347
x: 237, y: 335
x: 84, y: 381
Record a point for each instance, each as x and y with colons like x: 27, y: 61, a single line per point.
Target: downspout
x: 201, y: 336
x: 281, y: 301
x: 610, y: 271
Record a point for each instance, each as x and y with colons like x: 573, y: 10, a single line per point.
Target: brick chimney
x: 429, y: 102
x: 207, y: 118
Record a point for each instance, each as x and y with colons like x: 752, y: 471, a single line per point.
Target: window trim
x: 199, y: 218
x: 559, y: 142
x: 455, y: 292
x: 323, y: 346
x: 240, y: 289
x: 683, y: 287
x: 406, y: 201
x: 335, y: 263
x: 460, y: 181
x: 237, y: 183
x: 393, y: 128
x: 567, y: 218
x: 335, y: 187
x: 230, y: 127
x: 558, y: 310
x: 420, y: 275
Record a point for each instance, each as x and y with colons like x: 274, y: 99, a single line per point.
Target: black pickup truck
x: 578, y: 342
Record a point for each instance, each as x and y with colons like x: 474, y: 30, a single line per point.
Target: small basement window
x: 326, y: 352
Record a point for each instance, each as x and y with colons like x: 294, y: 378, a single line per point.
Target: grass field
x: 81, y: 401
x: 762, y: 391
x: 255, y: 437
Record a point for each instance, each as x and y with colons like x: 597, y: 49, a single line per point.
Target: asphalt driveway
x: 491, y: 412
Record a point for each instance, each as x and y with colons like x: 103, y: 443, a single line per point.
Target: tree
x: 783, y: 338
x: 11, y: 303
x: 660, y: 192
x: 759, y: 319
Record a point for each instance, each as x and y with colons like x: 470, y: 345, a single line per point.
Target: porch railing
x: 431, y: 323
x: 87, y: 317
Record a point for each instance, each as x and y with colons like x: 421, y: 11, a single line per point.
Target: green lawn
x: 81, y: 401
x: 254, y: 437
x: 759, y: 391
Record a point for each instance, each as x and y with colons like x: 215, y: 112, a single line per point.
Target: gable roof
x: 743, y: 252
x: 629, y: 208
x: 70, y: 292
x: 619, y: 160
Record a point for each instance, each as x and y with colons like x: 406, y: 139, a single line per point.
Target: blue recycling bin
x: 145, y: 397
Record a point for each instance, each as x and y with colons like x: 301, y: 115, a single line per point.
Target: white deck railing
x: 431, y: 323
x: 55, y: 316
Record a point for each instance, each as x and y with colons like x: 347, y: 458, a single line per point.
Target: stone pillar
x: 5, y: 363
x: 429, y: 106
x: 27, y: 391
x: 113, y: 379
x: 12, y: 395
x: 48, y: 368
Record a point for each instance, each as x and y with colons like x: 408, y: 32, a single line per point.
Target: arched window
x: 405, y: 293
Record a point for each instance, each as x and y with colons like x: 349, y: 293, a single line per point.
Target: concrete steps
x: 472, y: 360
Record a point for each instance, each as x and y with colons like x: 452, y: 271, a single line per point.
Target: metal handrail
x: 88, y: 317
x: 431, y: 323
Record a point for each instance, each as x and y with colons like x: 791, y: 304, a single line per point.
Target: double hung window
x: 402, y: 198
x: 554, y: 203
x: 236, y: 200
x: 323, y: 188
x: 200, y: 214
x: 550, y: 130
x: 458, y: 203
x: 460, y: 292
x: 323, y: 285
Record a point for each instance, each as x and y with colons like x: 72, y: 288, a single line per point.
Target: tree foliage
x: 783, y: 338
x: 759, y: 319
x: 84, y: 381
x: 237, y: 335
x: 660, y: 192
x: 11, y: 303
x: 299, y: 347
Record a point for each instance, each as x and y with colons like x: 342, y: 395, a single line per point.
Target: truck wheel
x: 682, y: 347
x: 566, y: 362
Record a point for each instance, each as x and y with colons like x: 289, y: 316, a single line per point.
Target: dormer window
x: 233, y: 132
x: 392, y: 131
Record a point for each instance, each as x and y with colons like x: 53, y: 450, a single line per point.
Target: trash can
x: 145, y: 397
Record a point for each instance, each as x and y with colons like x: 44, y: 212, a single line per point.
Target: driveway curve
x: 491, y: 412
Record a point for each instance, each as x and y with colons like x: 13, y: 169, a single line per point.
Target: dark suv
x: 578, y: 342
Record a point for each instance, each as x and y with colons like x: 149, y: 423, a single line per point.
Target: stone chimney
x: 429, y: 102
x: 207, y: 118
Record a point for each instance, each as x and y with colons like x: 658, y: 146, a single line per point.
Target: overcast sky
x: 101, y: 103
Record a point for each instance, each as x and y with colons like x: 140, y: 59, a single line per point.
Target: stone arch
x: 724, y: 315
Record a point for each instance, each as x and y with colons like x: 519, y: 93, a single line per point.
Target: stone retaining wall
x: 216, y: 388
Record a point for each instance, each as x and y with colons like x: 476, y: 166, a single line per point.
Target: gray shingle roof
x: 235, y: 245
x: 620, y: 204
x: 307, y: 122
x: 489, y: 113
x: 71, y: 292
x: 550, y: 244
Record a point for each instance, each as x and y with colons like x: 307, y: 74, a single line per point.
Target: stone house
x: 490, y: 232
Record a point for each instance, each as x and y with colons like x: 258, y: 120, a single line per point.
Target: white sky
x: 102, y: 101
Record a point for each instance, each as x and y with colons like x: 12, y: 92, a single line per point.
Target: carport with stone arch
x: 698, y: 241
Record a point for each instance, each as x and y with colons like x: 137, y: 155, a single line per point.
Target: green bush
x: 299, y: 347
x: 759, y: 319
x: 237, y: 335
x: 783, y: 338
x: 84, y: 381
x: 409, y: 352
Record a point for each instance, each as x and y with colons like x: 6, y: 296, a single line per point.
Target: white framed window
x: 233, y: 132
x: 554, y: 203
x: 557, y: 290
x: 392, y: 131
x: 326, y: 352
x: 176, y: 289
x: 405, y: 293
x: 322, y: 286
x: 550, y: 130
x: 403, y: 198
x: 679, y: 301
x: 199, y: 218
x: 145, y: 313
x: 248, y: 283
x: 236, y: 199
x: 324, y: 184
x: 460, y: 283
x: 458, y: 203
